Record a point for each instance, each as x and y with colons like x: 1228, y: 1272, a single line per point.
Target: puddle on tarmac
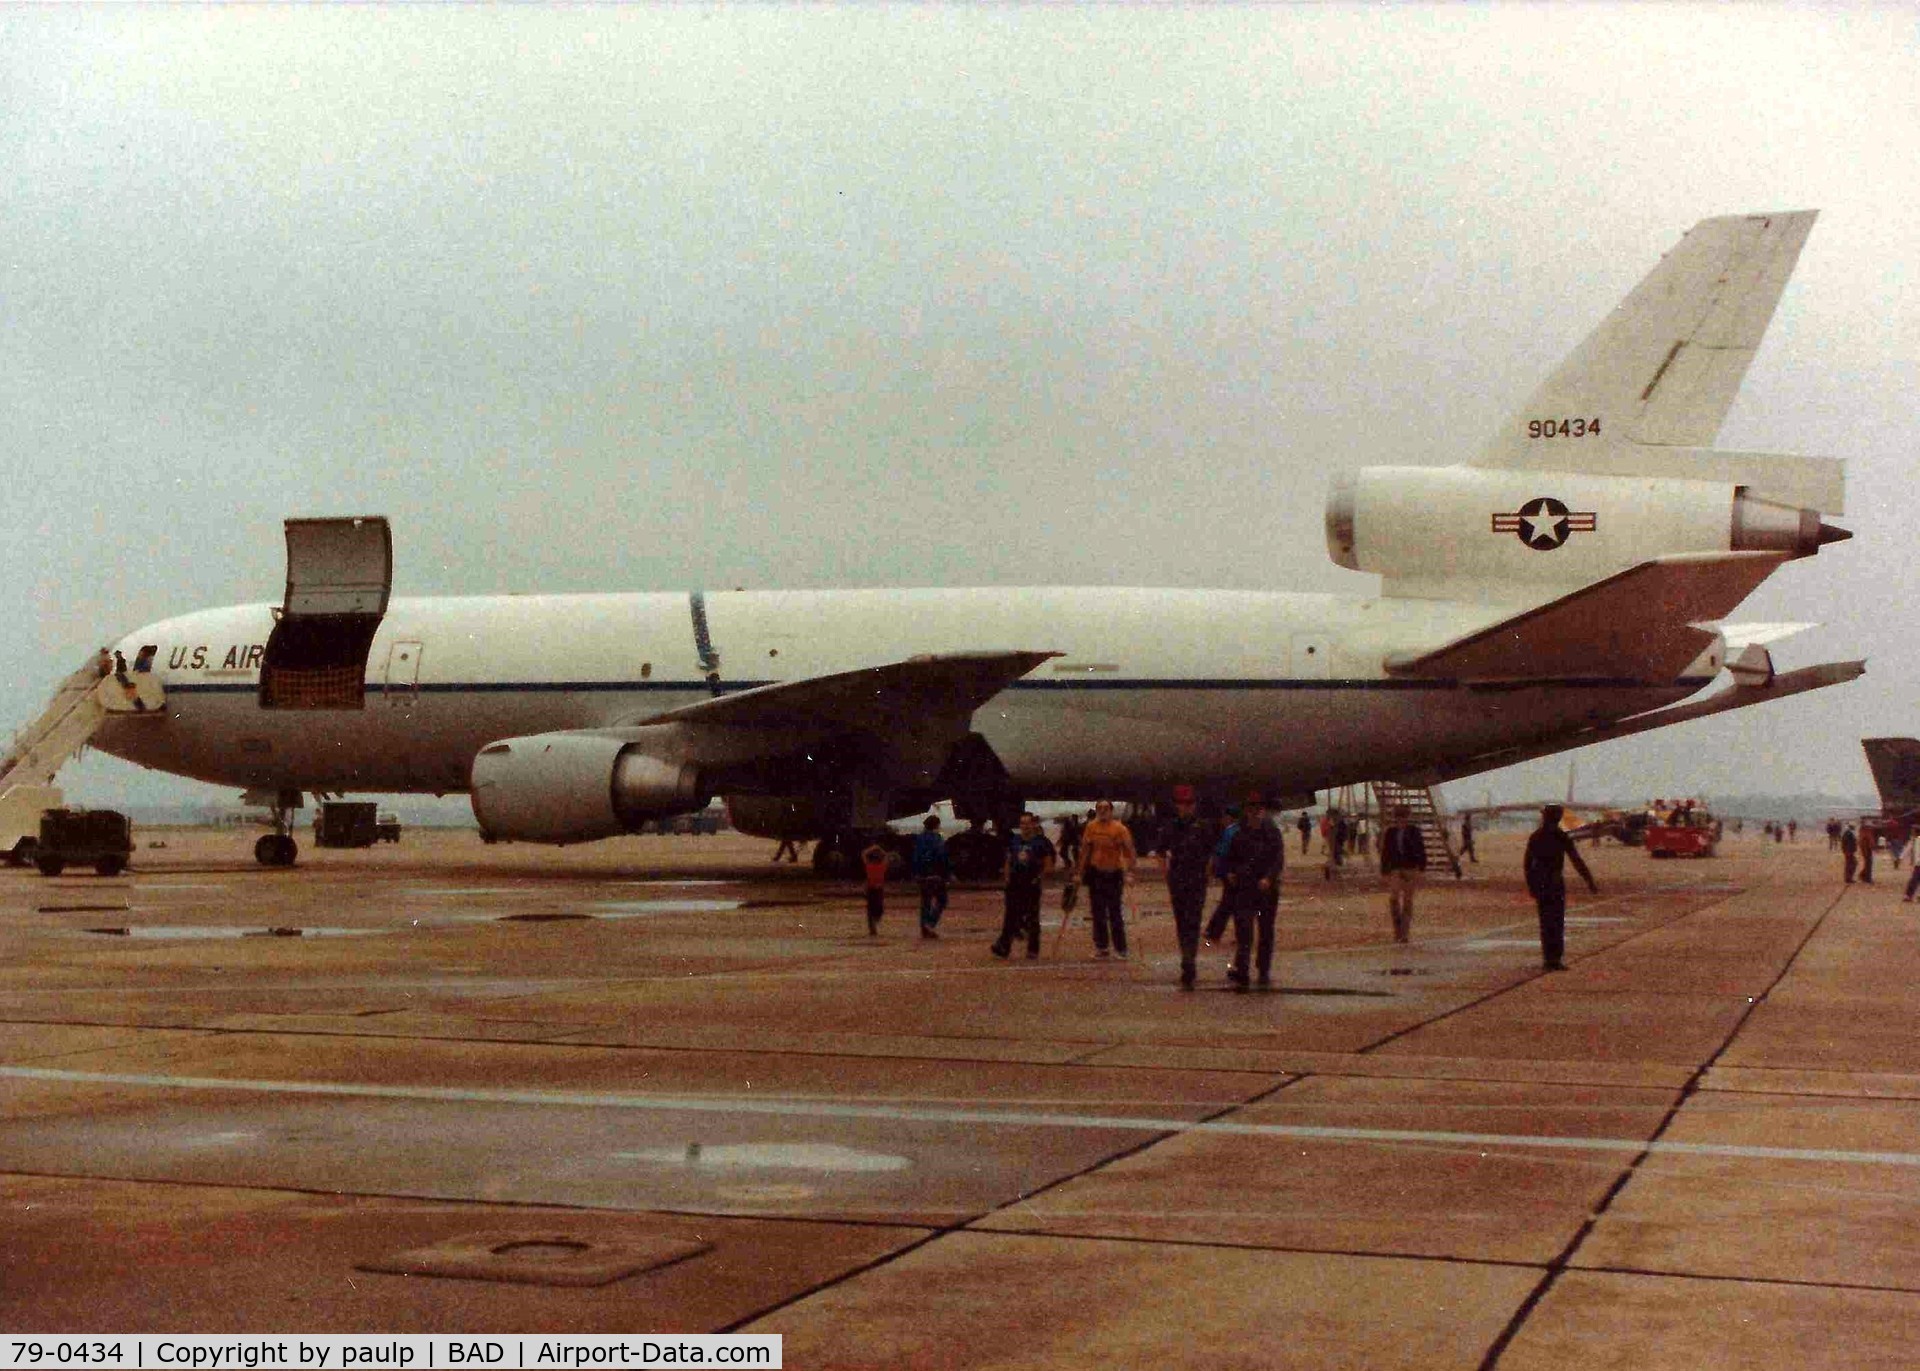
x: 628, y: 909
x: 670, y: 884
x: 769, y: 1157
x: 185, y: 932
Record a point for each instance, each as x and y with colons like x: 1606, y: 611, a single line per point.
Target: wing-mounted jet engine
x: 576, y: 787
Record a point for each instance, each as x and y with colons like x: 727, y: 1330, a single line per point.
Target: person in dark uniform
x: 1185, y: 843
x: 1548, y: 850
x: 1849, y: 852
x: 1250, y: 870
x: 1222, y: 910
x: 1305, y: 824
x: 1029, y: 858
x: 933, y: 868
x: 1466, y: 840
x: 1403, y: 860
x: 1069, y: 847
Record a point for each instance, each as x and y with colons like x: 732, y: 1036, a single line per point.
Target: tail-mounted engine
x: 1453, y: 531
x: 576, y: 787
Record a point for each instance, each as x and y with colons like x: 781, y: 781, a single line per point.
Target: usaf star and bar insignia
x: 1543, y: 524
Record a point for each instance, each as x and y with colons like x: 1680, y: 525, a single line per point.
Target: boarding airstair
x: 1423, y: 808
x: 102, y: 688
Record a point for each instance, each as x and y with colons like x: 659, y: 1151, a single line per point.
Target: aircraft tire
x: 275, y: 849
x: 835, y: 856
x: 110, y: 866
x: 975, y: 856
x: 50, y: 866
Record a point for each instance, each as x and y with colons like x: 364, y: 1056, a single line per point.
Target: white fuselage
x: 1240, y: 688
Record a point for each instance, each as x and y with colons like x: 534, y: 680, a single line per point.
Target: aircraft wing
x: 1638, y: 624
x: 870, y: 698
x: 1663, y: 369
x: 873, y: 732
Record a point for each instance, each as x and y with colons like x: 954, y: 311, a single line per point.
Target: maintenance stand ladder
x: 1423, y: 807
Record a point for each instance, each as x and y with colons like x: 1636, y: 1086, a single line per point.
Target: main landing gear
x: 278, y: 847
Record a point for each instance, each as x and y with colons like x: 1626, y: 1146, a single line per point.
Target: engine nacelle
x: 1429, y: 530
x: 576, y: 787
x: 800, y: 818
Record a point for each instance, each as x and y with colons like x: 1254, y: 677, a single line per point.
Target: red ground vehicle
x: 1688, y: 832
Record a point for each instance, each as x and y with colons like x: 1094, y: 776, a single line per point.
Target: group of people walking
x: 1247, y: 856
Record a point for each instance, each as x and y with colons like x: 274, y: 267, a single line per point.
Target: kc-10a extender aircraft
x: 1566, y: 585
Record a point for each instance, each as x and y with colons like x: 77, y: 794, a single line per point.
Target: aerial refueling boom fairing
x: 1566, y: 584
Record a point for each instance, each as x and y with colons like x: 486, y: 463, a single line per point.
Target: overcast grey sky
x: 661, y: 297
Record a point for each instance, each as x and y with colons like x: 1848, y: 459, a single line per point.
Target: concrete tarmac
x: 662, y: 1085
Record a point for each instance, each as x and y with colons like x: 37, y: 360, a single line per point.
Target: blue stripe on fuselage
x: 1104, y: 684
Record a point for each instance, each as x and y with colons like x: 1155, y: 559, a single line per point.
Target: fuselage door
x: 403, y: 672
x: 339, y: 575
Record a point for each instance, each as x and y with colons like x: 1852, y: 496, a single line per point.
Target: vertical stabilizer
x: 1662, y: 370
x: 1895, y: 763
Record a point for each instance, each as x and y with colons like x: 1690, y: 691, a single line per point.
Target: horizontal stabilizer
x: 871, y: 698
x: 1722, y: 701
x: 1758, y: 635
x: 1636, y: 625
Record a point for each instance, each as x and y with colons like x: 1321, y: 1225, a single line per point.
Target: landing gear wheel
x: 275, y: 849
x: 50, y: 866
x: 834, y: 856
x: 976, y: 856
x: 110, y: 866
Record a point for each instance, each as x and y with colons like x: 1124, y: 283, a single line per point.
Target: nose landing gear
x: 278, y: 847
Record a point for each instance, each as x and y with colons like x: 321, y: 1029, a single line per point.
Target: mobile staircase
x: 101, y: 688
x: 1423, y: 808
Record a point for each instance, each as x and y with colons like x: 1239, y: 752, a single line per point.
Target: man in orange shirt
x: 1106, y: 864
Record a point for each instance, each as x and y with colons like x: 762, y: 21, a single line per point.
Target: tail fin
x: 1650, y: 387
x: 1896, y: 771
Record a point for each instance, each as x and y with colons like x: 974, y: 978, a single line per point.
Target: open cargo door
x: 339, y: 574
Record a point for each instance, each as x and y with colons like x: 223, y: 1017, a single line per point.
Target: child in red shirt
x: 874, y: 859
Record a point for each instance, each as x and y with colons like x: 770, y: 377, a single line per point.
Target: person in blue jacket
x: 933, y: 869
